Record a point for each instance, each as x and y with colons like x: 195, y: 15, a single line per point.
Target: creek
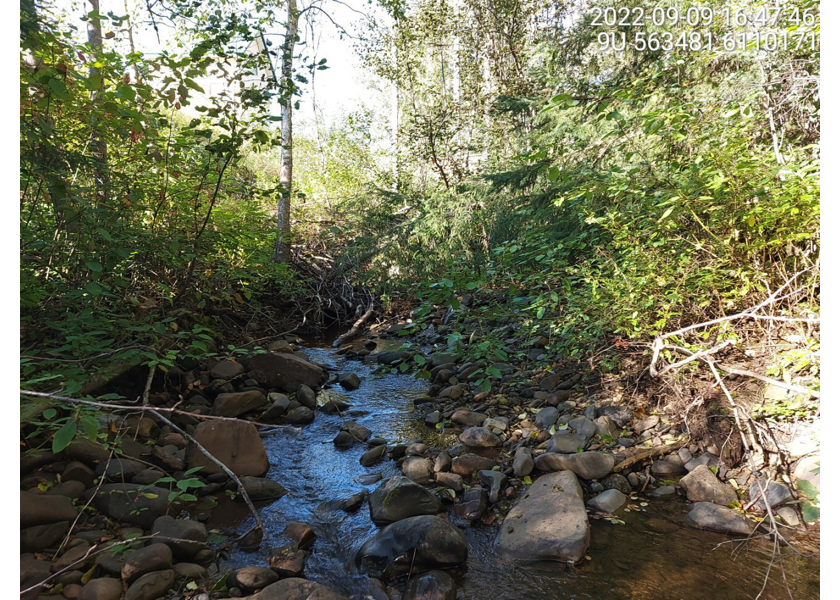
x: 653, y: 554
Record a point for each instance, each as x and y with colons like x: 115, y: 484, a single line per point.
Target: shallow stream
x: 652, y: 555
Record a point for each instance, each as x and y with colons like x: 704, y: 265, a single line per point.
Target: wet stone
x: 608, y: 501
x: 288, y: 561
x: 472, y: 505
x: 434, y: 585
x: 467, y: 464
x: 480, y: 437
x: 251, y: 579
x: 523, y: 462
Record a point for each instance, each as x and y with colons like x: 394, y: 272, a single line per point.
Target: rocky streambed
x: 391, y: 489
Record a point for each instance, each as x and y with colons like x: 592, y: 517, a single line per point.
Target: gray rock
x: 287, y: 372
x: 418, y: 544
x: 443, y: 462
x: 86, y: 451
x: 186, y: 537
x: 226, y: 369
x: 663, y: 491
x: 103, y: 588
x: 306, y: 396
x: 434, y: 585
x: 523, y: 462
x: 472, y: 505
x: 76, y: 556
x: 705, y: 459
x: 154, y: 557
x: 400, y: 498
x: 349, y: 381
x: 479, y: 437
x: 617, y: 481
x: 500, y: 423
x: 299, y: 416
x: 467, y: 464
x: 262, y: 488
x: 776, y: 494
x: 707, y: 515
x: 443, y: 358
x: 450, y: 480
x: 583, y: 426
x: 608, y: 501
x: 119, y: 469
x: 40, y: 509
x: 588, y: 465
x: 238, y: 403
x: 235, y: 443
x: 433, y: 418
x: 701, y: 485
x: 546, y: 417
x: 646, y: 423
x: 41, y: 537
x: 251, y: 579
x: 621, y: 415
x: 373, y: 456
x: 496, y: 481
x: 77, y: 471
x: 189, y: 571
x: 390, y: 357
x: 151, y: 586
x: 359, y: 432
x: 132, y: 503
x: 669, y: 466
x: 788, y: 516
x: 549, y: 521
x: 418, y: 469
x: 454, y: 392
x: 565, y: 442
x: 605, y: 427
x: 466, y: 418
x: 344, y: 440
x: 295, y: 588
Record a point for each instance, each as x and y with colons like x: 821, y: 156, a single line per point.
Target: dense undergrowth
x: 608, y: 196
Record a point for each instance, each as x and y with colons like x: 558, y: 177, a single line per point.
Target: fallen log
x: 354, y: 331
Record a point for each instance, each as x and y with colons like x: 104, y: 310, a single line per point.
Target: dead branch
x: 653, y: 452
x: 354, y: 331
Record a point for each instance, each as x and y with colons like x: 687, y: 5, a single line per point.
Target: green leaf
x: 527, y: 480
x: 807, y: 488
x: 193, y: 85
x: 420, y: 359
x: 64, y: 436
x: 59, y: 89
x: 94, y: 82
x: 50, y: 413
x: 94, y: 266
x: 810, y: 512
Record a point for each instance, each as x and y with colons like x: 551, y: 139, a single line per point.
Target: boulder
x: 287, y: 372
x: 262, y: 488
x: 608, y: 501
x: 400, y: 498
x: 306, y: 396
x: 41, y: 537
x: 40, y: 509
x: 583, y: 426
x: 549, y: 521
x: 494, y: 480
x: 373, y: 456
x: 151, y: 586
x: 588, y: 465
x: 417, y: 544
x: 472, y: 505
x: 565, y: 442
x: 466, y: 418
x: 119, y: 469
x: 132, y: 503
x: 546, y: 417
x: 776, y: 494
x: 479, y: 437
x: 180, y: 532
x: 226, y: 369
x: 390, y: 357
x: 299, y: 416
x: 418, y: 469
x: 707, y: 515
x: 434, y: 585
x: 235, y: 443
x: 251, y: 579
x: 295, y: 588
x: 103, y: 588
x: 467, y: 464
x: 238, y: 403
x: 154, y: 557
x: 349, y: 381
x: 523, y: 462
x: 701, y: 485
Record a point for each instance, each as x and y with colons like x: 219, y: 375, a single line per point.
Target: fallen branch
x: 354, y: 331
x: 146, y: 408
x: 653, y: 452
x: 259, y: 526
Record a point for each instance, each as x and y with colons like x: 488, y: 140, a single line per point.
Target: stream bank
x: 641, y: 549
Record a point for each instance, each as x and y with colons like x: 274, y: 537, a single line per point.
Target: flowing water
x: 651, y: 556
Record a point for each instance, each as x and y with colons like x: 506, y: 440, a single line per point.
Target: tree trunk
x: 99, y: 146
x: 282, y: 252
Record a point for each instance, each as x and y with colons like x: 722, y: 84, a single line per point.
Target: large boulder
x: 287, y: 372
x: 39, y: 509
x: 549, y: 522
x: 295, y: 588
x: 707, y: 515
x: 588, y: 465
x: 235, y: 443
x: 184, y: 537
x: 238, y: 403
x: 132, y: 503
x: 154, y: 557
x: 701, y: 485
x: 400, y: 498
x: 418, y: 544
